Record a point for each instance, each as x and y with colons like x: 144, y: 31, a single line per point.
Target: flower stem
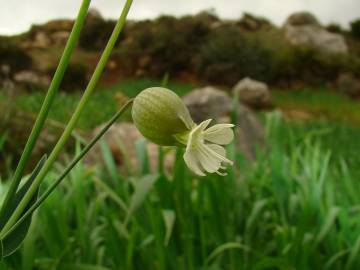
x: 68, y: 168
x: 53, y: 88
x: 74, y: 118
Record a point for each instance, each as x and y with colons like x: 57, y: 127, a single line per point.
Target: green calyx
x: 160, y: 115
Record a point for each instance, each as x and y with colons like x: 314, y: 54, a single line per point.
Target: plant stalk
x: 68, y: 168
x: 53, y: 88
x: 74, y: 119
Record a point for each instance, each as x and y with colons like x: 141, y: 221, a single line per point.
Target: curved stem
x: 54, y: 86
x: 74, y: 118
x: 68, y: 169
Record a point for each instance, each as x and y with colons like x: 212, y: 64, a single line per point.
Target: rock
x: 253, y: 93
x: 122, y: 137
x: 30, y: 79
x: 348, y: 85
x: 208, y: 102
x: 250, y: 133
x: 303, y: 29
x: 41, y: 40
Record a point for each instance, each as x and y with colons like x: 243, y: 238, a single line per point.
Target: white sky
x: 17, y: 15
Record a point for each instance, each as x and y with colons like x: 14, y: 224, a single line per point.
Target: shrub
x: 13, y: 56
x: 309, y: 66
x: 230, y: 55
x: 165, y: 45
x: 355, y: 28
x: 75, y: 77
x: 334, y: 28
x: 96, y: 33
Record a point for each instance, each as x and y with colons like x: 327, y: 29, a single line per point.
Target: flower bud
x: 159, y: 114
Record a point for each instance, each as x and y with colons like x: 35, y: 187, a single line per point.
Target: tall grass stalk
x: 75, y: 117
x: 53, y: 88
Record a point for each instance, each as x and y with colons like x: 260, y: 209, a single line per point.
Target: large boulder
x: 208, y: 102
x: 250, y: 133
x: 253, y: 93
x: 303, y: 29
x: 348, y: 85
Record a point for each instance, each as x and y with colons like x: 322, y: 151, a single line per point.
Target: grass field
x: 296, y: 207
x: 102, y: 106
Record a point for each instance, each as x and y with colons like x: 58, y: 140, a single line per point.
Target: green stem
x: 54, y: 86
x: 68, y: 169
x: 74, y: 118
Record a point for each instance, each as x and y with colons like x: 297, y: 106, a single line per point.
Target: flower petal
x: 218, y: 149
x: 209, y: 162
x: 219, y: 134
x: 192, y: 162
x: 219, y: 152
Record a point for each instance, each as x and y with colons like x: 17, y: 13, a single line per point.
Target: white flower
x: 204, y: 150
x: 162, y: 117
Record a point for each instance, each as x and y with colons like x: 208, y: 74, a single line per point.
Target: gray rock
x: 41, y: 40
x: 30, y: 79
x: 253, y: 93
x: 207, y: 103
x: 303, y: 29
x: 348, y: 85
x: 250, y: 133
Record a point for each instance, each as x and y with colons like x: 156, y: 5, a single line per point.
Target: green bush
x: 75, y: 77
x: 334, y: 28
x: 13, y: 56
x: 302, y: 64
x: 96, y: 33
x: 167, y: 45
x: 229, y: 55
x: 355, y: 28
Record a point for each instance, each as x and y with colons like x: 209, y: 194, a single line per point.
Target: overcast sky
x: 17, y: 15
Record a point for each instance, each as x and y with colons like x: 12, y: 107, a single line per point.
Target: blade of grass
x: 70, y: 167
x: 75, y: 117
x: 53, y: 88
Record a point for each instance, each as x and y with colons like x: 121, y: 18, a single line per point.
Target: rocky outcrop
x: 253, y: 93
x: 304, y: 29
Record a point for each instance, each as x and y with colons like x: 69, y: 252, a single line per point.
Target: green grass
x: 296, y: 207
x: 102, y: 106
x: 319, y: 104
